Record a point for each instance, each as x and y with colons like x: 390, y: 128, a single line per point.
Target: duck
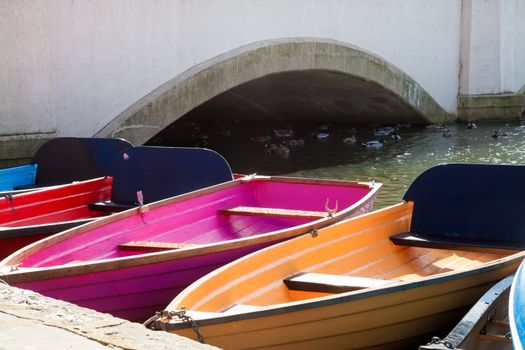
x: 403, y: 125
x: 283, y: 132
x: 471, y: 125
x: 498, y: 134
x: 283, y: 151
x: 395, y: 137
x: 296, y: 143
x: 350, y: 139
x: 387, y: 130
x: 261, y: 138
x: 440, y: 128
x: 201, y: 143
x: 270, y: 149
x: 373, y: 144
x: 321, y: 135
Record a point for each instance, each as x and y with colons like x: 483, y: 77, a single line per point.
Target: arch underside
x: 292, y: 80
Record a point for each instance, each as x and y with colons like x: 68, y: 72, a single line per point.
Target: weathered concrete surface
x: 71, y: 67
x: 182, y: 94
x: 76, y: 65
x: 491, y: 107
x: 29, y: 320
x: 20, y: 333
x: 18, y: 149
x: 308, y: 96
x: 492, y: 47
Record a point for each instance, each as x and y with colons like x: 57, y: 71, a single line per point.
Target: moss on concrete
x: 174, y: 99
x: 491, y: 107
x: 19, y: 149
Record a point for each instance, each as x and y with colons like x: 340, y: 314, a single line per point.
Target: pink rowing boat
x: 154, y: 171
x: 133, y: 263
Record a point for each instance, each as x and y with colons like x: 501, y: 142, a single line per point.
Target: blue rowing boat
x: 13, y: 177
x: 517, y: 308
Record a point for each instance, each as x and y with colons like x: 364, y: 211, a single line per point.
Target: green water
x: 396, y: 164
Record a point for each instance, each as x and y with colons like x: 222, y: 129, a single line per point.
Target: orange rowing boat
x: 387, y: 279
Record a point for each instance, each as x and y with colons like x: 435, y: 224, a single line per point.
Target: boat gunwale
x: 7, y: 232
x: 26, y: 190
x: 39, y: 190
x: 513, y: 324
x: 14, y: 274
x: 329, y: 300
x: 464, y: 328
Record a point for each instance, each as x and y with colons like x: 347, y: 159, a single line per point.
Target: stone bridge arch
x: 203, y: 82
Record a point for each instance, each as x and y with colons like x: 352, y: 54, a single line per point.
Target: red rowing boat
x: 27, y: 217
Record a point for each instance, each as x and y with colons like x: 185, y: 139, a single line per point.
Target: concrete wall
x: 70, y: 67
x: 518, y: 13
x: 492, y: 46
x: 26, y: 92
x: 75, y: 65
x: 225, y: 73
x: 492, y: 52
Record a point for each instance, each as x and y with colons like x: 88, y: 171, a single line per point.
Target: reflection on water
x: 247, y: 148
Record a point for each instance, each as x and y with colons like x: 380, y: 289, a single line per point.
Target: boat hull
x: 387, y: 321
x: 133, y: 293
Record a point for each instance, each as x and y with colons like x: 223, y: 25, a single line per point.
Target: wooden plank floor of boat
x: 274, y: 212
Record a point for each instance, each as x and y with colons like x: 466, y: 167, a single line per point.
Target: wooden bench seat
x: 145, y: 246
x: 241, y: 308
x: 447, y: 242
x: 328, y: 283
x: 109, y: 206
x: 274, y: 212
x: 75, y: 262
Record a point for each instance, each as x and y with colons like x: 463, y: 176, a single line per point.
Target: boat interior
x: 239, y: 210
x: 53, y: 205
x: 349, y: 257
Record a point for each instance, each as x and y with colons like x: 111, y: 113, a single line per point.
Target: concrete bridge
x: 131, y: 68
